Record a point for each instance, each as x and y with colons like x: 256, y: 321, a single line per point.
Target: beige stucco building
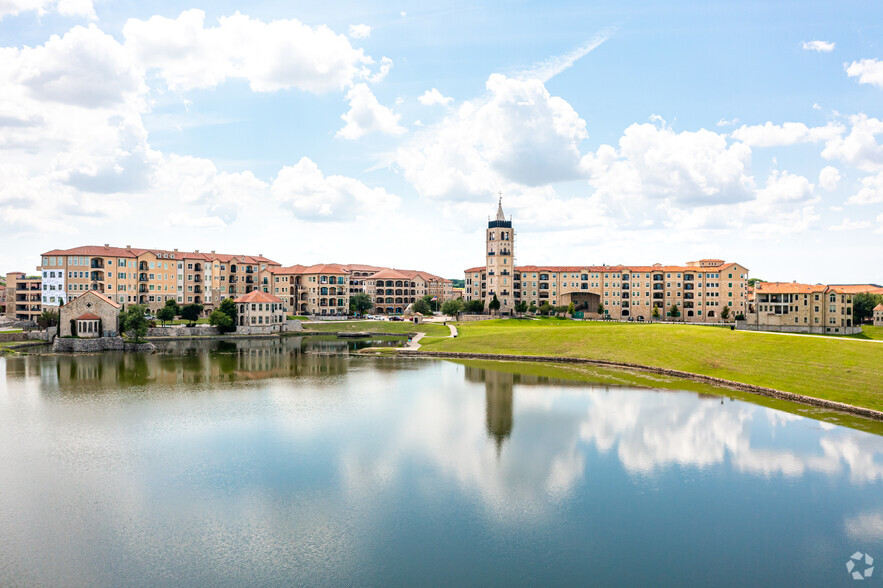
x: 701, y: 290
x: 259, y: 309
x: 878, y: 315
x: 23, y: 296
x: 814, y: 308
x: 89, y: 315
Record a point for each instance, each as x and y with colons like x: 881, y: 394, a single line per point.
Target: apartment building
x: 701, y: 290
x: 813, y: 308
x: 2, y: 300
x: 321, y: 289
x: 23, y: 296
x: 259, y: 309
x: 129, y: 275
x: 392, y: 290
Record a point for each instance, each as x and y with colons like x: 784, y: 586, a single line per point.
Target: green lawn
x: 377, y: 327
x: 202, y: 321
x: 843, y: 370
x: 869, y: 332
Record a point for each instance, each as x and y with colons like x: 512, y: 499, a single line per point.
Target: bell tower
x: 500, y: 260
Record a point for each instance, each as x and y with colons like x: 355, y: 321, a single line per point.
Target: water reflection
x: 299, y: 464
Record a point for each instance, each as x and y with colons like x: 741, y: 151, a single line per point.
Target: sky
x: 618, y: 132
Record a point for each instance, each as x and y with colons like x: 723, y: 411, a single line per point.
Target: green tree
x: 601, y: 308
x: 655, y: 313
x: 165, y: 314
x: 725, y: 312
x: 452, y: 307
x: 48, y: 318
x: 571, y: 308
x: 674, y: 311
x: 360, y: 303
x: 494, y: 304
x: 474, y: 306
x: 219, y: 318
x: 753, y: 281
x: 190, y: 313
x: 863, y: 306
x: 176, y: 310
x: 134, y: 322
x: 740, y: 316
x: 533, y: 307
x: 521, y: 306
x: 228, y: 307
x: 422, y: 306
x: 545, y: 308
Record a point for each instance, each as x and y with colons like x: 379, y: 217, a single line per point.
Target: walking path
x: 453, y: 331
x: 413, y: 343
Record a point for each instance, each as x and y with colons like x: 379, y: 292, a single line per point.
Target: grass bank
x: 843, y: 370
x: 395, y: 327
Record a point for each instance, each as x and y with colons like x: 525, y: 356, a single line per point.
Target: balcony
x: 143, y: 267
x: 142, y: 277
x: 505, y: 252
x: 688, y: 296
x: 97, y: 264
x: 625, y: 286
x: 197, y: 267
x: 249, y: 280
x: 197, y: 289
x: 657, y: 296
x: 197, y: 278
x: 688, y: 287
x: 96, y: 276
x: 657, y: 277
x: 232, y: 269
x: 248, y: 270
x: 142, y: 288
x: 491, y: 253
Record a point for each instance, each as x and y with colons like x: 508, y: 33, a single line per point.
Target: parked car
x: 396, y: 318
x: 640, y: 319
x: 631, y: 319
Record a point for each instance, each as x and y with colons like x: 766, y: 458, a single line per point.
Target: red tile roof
x: 879, y: 307
x: 88, y: 317
x: 858, y: 288
x: 258, y: 296
x: 97, y: 295
x: 100, y: 250
x: 787, y: 288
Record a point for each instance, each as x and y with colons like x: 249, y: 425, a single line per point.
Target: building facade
x: 702, y: 291
x: 259, y: 309
x: 878, y: 315
x: 23, y: 296
x: 813, y: 308
x: 89, y: 314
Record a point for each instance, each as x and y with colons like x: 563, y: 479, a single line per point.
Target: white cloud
x: 272, y: 56
x: 366, y: 115
x: 859, y: 147
x: 309, y: 194
x: 871, y: 191
x: 789, y: 133
x: 431, y: 97
x: 71, y: 8
x: 850, y: 225
x: 517, y: 134
x: 727, y: 123
x: 829, y: 178
x: 549, y: 68
x: 868, y: 71
x: 360, y: 31
x: 819, y: 46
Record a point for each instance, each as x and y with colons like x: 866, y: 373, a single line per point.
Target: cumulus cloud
x: 431, y: 97
x: 272, y: 56
x: 829, y: 178
x: 303, y: 189
x: 789, y: 133
x: 518, y: 133
x: 870, y: 192
x: 367, y: 115
x: 818, y: 46
x: 850, y: 225
x: 859, y: 147
x: 868, y: 71
x: 360, y: 31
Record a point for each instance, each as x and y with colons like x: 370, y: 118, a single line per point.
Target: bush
x: 452, y: 307
x: 222, y: 320
x: 422, y: 306
x: 191, y: 312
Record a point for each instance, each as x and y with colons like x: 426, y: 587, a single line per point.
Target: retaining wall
x: 823, y: 330
x: 182, y: 331
x: 74, y: 345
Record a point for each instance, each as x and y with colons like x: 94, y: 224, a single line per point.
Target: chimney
x: 176, y: 251
x: 213, y: 251
x: 128, y: 246
x: 196, y: 251
x: 107, y: 245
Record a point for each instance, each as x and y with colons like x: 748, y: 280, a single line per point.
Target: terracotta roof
x: 97, y: 295
x: 879, y: 307
x: 616, y: 268
x: 787, y: 288
x: 320, y: 268
x: 858, y: 288
x: 88, y: 317
x: 258, y: 296
x: 390, y: 274
x: 100, y: 250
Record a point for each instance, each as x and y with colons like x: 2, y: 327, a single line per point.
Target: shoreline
x: 750, y: 388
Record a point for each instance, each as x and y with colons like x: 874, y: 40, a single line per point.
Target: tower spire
x: 500, y: 215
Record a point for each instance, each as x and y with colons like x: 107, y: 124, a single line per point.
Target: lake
x: 296, y: 461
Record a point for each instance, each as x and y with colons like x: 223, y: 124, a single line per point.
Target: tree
x: 360, y: 303
x: 452, y: 307
x: 601, y: 308
x: 545, y: 308
x: 222, y: 320
x: 674, y: 311
x: 655, y: 313
x: 532, y: 307
x: 134, y: 322
x: 560, y: 309
x: 422, y: 306
x: 433, y: 304
x: 48, y: 318
x: 494, y: 304
x: 725, y: 312
x: 165, y: 314
x: 753, y: 281
x: 474, y: 306
x: 521, y: 306
x: 170, y: 303
x: 863, y: 306
x: 740, y: 316
x: 228, y: 307
x: 571, y: 308
x: 190, y: 313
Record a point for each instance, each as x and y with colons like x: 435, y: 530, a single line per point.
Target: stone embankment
x: 75, y: 345
x: 761, y: 390
x: 46, y: 335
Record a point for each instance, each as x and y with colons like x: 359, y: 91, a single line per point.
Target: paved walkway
x: 413, y: 343
x: 840, y: 338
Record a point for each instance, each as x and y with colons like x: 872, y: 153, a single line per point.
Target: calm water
x: 283, y: 462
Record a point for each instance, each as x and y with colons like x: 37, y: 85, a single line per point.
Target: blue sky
x: 618, y: 132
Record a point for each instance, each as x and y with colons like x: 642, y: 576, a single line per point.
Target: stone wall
x: 46, y: 335
x: 291, y: 326
x: 96, y: 345
x: 476, y: 317
x: 182, y: 331
x: 828, y: 330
